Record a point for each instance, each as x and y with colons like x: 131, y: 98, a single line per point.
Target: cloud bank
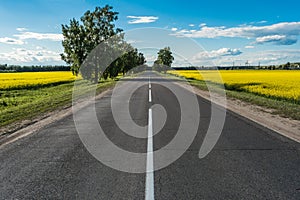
x: 22, y: 55
x: 39, y: 36
x: 210, y: 55
x: 277, y: 39
x: 284, y: 33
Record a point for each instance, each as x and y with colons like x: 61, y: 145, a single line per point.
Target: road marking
x: 149, y: 193
x: 150, y: 98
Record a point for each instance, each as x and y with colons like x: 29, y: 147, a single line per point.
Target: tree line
x: 33, y: 68
x: 287, y: 66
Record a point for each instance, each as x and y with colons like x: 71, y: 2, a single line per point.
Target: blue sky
x: 265, y: 32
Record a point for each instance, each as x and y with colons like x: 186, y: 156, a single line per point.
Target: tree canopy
x: 96, y: 29
x: 164, y: 60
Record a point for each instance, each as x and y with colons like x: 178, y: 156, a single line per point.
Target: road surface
x: 248, y: 161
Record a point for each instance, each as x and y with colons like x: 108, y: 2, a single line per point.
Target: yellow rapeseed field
x: 279, y: 84
x: 33, y: 79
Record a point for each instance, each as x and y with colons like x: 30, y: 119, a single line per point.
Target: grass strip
x: 27, y: 104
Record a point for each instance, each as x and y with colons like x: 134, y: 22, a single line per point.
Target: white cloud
x: 39, y: 36
x: 277, y: 39
x: 174, y: 29
x: 249, y: 47
x: 7, y: 40
x: 216, y: 54
x: 202, y: 24
x: 183, y: 31
x: 273, y: 56
x: 22, y: 55
x: 141, y: 19
x: 21, y: 29
x: 39, y: 47
x: 228, y: 52
x: 262, y: 22
x: 288, y: 29
x: 191, y: 25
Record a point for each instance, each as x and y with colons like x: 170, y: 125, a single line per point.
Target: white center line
x: 150, y: 98
x: 149, y: 193
x: 150, y: 95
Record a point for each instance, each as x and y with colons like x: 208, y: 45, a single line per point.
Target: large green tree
x: 74, y: 44
x: 96, y: 37
x: 80, y: 39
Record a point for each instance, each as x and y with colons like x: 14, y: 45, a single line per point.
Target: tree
x: 130, y: 60
x: 96, y: 38
x: 74, y: 44
x: 164, y: 60
x: 287, y: 65
x: 141, y: 59
x: 80, y: 40
x: 165, y: 56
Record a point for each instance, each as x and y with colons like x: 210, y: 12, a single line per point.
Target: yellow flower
x: 27, y: 80
x: 279, y: 84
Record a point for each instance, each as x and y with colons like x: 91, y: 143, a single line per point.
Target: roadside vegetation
x: 278, y: 90
x: 46, y: 92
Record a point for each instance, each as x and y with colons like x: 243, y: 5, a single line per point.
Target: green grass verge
x: 281, y: 107
x: 27, y: 104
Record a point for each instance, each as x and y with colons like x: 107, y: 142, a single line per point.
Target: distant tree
x: 164, y: 60
x: 3, y: 67
x: 165, y: 56
x: 287, y: 65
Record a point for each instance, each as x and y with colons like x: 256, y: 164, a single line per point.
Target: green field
x: 20, y: 102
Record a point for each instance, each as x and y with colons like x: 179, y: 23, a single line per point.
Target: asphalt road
x: 248, y: 161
